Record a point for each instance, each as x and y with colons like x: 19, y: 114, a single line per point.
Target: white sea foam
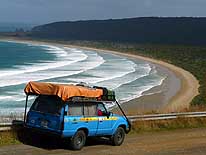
x: 127, y: 78
x: 140, y: 90
x: 75, y: 65
x: 14, y: 95
x: 12, y: 112
x: 53, y: 70
x: 11, y: 98
x: 5, y: 97
x: 111, y: 71
x: 63, y: 59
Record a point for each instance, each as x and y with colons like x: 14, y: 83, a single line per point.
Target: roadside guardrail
x: 166, y: 116
x: 8, y: 125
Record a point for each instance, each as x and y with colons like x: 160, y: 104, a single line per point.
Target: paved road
x: 179, y: 142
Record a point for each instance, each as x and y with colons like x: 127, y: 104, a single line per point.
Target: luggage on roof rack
x: 108, y: 95
x: 66, y: 92
x: 81, y: 99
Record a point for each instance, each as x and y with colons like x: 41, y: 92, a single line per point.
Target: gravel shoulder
x: 176, y: 142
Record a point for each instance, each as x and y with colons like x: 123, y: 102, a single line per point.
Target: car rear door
x: 46, y: 113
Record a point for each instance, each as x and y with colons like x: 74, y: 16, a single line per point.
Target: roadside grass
x: 170, y: 124
x: 12, y: 137
x: 8, y: 138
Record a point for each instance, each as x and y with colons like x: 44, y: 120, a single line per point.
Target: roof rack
x: 81, y: 98
x: 65, y: 92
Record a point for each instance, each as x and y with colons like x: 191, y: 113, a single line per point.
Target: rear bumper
x: 43, y: 131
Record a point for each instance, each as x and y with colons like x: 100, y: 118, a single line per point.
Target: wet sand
x: 155, y: 99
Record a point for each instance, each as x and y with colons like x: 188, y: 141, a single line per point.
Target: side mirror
x: 109, y: 114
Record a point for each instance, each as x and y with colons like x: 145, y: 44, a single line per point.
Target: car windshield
x: 47, y: 104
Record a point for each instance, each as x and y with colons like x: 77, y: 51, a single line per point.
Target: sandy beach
x: 174, y: 96
x: 156, y: 102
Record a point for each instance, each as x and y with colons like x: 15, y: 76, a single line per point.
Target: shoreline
x: 178, y: 102
x: 189, y: 84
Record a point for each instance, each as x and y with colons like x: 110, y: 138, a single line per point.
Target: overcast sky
x: 45, y: 11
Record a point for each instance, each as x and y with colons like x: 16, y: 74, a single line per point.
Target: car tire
x: 118, y: 137
x: 78, y: 140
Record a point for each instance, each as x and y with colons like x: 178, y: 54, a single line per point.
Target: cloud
x: 43, y: 11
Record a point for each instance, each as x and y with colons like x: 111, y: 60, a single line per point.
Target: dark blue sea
x: 23, y: 62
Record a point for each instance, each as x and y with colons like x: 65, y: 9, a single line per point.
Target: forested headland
x: 179, y: 30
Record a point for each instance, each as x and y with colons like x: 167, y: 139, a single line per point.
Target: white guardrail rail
x: 8, y: 125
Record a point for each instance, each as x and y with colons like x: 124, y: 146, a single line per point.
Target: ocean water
x: 21, y: 63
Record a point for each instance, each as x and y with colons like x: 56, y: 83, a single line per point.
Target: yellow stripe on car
x: 97, y: 118
x: 89, y: 119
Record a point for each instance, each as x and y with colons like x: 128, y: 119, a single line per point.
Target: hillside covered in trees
x: 180, y: 30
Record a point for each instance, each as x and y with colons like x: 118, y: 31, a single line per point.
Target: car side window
x: 75, y: 109
x: 90, y: 109
x: 102, y: 108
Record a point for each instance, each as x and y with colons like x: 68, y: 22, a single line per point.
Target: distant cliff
x: 182, y: 30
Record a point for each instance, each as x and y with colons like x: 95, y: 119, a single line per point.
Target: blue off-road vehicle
x: 75, y: 112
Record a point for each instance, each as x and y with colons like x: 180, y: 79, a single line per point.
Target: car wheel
x: 78, y: 140
x: 118, y: 137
